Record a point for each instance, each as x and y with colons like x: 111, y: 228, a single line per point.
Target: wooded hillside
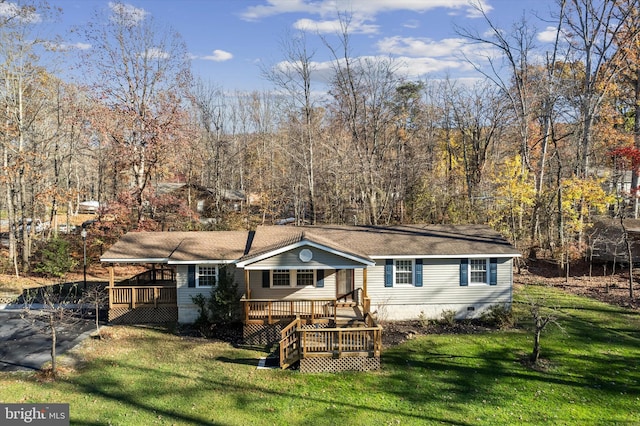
x: 536, y: 149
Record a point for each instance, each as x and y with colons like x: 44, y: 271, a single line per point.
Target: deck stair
x: 349, y: 316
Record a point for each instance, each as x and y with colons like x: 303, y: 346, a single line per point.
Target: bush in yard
x: 222, y: 306
x: 448, y: 317
x: 56, y: 259
x: 499, y: 316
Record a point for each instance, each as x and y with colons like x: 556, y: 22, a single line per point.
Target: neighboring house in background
x: 606, y: 240
x: 88, y: 206
x: 312, y: 274
x: 203, y: 198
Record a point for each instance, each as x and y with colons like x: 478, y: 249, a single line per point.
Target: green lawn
x: 142, y: 377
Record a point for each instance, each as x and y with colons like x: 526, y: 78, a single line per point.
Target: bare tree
x: 531, y: 90
x: 294, y: 76
x: 211, y: 112
x: 479, y: 119
x: 142, y: 74
x: 542, y: 315
x: 362, y: 89
x: 51, y: 310
x: 23, y: 97
x: 592, y: 29
x: 95, y: 296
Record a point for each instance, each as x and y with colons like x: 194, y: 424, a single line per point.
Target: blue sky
x: 229, y: 39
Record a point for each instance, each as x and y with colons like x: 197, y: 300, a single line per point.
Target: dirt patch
x: 599, y: 282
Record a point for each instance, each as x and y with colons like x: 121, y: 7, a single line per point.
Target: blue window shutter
x: 191, y: 275
x: 464, y: 272
x: 418, y: 272
x: 493, y: 271
x: 320, y: 278
x: 265, y: 278
x: 388, y: 273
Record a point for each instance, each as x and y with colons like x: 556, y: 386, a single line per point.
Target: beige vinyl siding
x: 185, y: 293
x: 441, y: 285
x: 326, y: 292
x: 291, y: 260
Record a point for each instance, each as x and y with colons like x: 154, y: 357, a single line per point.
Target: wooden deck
x: 299, y: 342
x: 320, y: 328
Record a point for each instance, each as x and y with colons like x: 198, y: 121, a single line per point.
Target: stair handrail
x: 289, y: 344
x: 355, y: 296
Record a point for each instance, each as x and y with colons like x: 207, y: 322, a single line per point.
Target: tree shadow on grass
x: 246, y: 395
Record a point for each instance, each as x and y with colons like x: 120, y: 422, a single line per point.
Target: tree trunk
x: 53, y: 344
x: 627, y: 243
x: 635, y: 173
x: 535, y: 354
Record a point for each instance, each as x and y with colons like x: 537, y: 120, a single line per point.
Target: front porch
x: 320, y: 334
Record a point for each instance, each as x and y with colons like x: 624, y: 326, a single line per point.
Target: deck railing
x: 340, y: 341
x: 289, y: 344
x: 133, y: 297
x: 298, y: 343
x: 273, y: 311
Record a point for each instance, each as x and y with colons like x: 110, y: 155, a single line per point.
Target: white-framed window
x: 293, y: 277
x: 206, y: 276
x: 478, y: 271
x: 280, y: 278
x: 305, y: 277
x: 403, y: 271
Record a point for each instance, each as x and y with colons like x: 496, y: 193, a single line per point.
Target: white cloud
x: 425, y: 47
x: 406, y: 66
x: 334, y: 26
x: 412, y: 23
x: 65, y: 47
x: 277, y: 7
x: 155, y: 53
x: 218, y: 56
x: 23, y: 14
x: 127, y: 14
x: 548, y: 35
x: 418, y: 67
x: 366, y: 9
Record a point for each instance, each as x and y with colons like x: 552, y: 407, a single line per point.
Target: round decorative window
x: 305, y: 255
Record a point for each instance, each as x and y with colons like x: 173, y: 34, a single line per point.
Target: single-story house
x: 311, y: 274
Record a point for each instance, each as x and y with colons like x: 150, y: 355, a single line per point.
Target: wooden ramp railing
x: 289, y: 344
x: 133, y: 297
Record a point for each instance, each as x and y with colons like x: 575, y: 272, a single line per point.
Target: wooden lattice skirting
x: 143, y: 315
x: 332, y: 365
x: 262, y: 334
x: 269, y: 334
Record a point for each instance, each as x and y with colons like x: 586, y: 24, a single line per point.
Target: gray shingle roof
x: 361, y: 241
x: 402, y: 240
x: 177, y: 246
